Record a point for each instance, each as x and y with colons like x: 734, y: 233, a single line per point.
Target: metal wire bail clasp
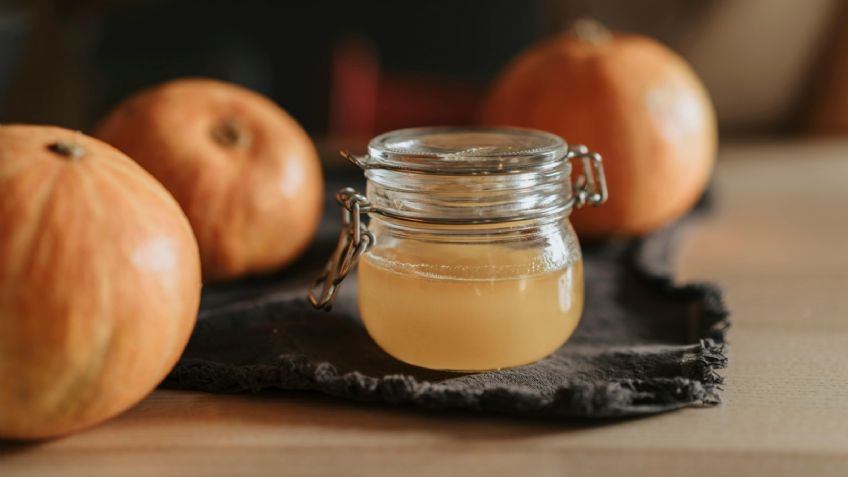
x: 354, y: 240
x: 590, y: 187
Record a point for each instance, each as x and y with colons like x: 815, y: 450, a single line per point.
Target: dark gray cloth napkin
x: 645, y: 344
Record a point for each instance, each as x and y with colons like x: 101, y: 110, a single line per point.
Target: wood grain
x: 778, y: 243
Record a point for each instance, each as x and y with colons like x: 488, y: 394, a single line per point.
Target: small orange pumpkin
x: 629, y: 98
x: 99, y: 282
x: 245, y: 173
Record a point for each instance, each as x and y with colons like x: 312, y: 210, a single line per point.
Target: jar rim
x: 465, y: 150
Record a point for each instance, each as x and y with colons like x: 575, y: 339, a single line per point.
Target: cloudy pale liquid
x: 463, y: 320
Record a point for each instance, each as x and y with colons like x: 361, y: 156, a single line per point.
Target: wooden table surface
x: 777, y: 242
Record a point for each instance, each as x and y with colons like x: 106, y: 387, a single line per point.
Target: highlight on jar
x: 468, y: 261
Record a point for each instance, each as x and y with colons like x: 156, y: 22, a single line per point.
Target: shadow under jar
x: 468, y: 262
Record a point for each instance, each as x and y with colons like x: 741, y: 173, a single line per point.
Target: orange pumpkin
x: 629, y: 98
x: 245, y: 173
x: 99, y: 282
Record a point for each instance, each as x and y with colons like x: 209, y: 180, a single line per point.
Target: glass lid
x: 464, y: 150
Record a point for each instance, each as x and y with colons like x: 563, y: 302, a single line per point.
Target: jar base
x: 431, y: 365
x: 470, y: 371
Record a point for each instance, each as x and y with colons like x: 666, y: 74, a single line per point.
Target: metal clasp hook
x: 354, y: 240
x: 590, y: 187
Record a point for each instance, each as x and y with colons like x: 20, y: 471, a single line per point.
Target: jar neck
x: 492, y: 232
x: 471, y: 199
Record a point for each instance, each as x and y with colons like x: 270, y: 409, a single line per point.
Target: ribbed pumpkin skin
x: 629, y: 98
x: 255, y: 205
x: 99, y: 283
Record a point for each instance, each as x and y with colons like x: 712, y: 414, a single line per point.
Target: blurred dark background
x: 356, y: 68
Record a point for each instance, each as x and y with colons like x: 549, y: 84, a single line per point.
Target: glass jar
x: 468, y: 262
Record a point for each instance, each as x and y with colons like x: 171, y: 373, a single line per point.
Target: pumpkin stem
x: 231, y: 133
x: 66, y: 149
x: 591, y: 31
